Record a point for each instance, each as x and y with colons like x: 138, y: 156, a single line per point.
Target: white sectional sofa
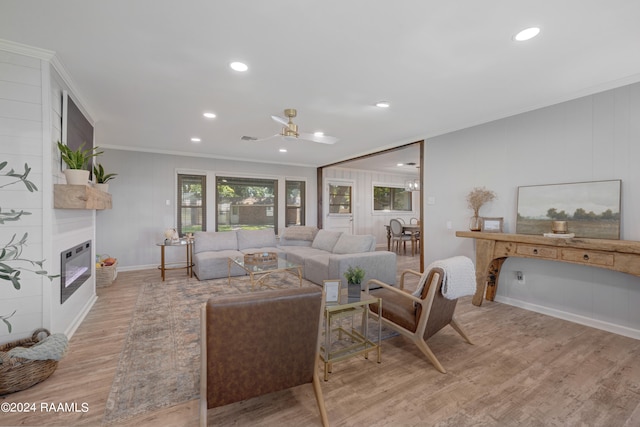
x: 323, y: 254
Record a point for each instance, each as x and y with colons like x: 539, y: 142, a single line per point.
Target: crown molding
x: 50, y: 57
x: 23, y: 49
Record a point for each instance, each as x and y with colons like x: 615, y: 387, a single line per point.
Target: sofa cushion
x: 326, y: 240
x: 301, y: 253
x: 256, y: 238
x: 352, y: 244
x: 215, y: 264
x: 299, y: 232
x: 215, y: 241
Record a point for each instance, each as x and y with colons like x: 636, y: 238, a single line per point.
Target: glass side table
x: 188, y: 264
x: 343, y: 338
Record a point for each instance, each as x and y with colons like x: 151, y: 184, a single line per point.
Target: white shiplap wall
x: 365, y: 220
x: 30, y: 124
x: 21, y: 140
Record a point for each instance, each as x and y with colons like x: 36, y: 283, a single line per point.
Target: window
x: 295, y: 191
x: 339, y: 199
x: 191, y: 203
x: 246, y: 203
x: 391, y: 199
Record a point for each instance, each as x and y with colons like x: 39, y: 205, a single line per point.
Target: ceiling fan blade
x: 254, y: 139
x: 324, y: 139
x: 280, y: 120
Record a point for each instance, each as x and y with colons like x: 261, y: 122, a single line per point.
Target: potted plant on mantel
x: 77, y: 162
x: 102, y: 178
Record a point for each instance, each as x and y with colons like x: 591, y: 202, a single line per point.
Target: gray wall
x: 587, y: 139
x: 140, y: 214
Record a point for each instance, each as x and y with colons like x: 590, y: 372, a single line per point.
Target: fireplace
x: 75, y: 269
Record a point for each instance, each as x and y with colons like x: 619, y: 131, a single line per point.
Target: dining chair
x: 398, y: 236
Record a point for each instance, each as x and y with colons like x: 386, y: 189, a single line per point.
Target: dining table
x: 412, y: 229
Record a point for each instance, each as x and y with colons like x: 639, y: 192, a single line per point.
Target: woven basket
x: 17, y: 373
x: 106, y: 274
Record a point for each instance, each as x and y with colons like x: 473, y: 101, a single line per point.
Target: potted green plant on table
x: 77, y: 161
x: 102, y: 178
x: 354, y: 276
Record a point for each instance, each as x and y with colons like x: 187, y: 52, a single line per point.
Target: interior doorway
x: 374, y: 162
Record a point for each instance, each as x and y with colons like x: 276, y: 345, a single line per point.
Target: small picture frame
x: 491, y: 225
x: 332, y: 290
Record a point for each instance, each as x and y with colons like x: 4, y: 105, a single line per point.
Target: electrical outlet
x: 520, y: 277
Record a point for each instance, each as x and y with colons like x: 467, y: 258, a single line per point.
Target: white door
x: 338, y: 206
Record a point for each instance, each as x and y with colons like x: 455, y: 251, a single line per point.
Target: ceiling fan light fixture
x: 239, y: 66
x: 527, y: 34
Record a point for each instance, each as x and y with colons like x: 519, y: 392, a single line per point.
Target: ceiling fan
x: 290, y: 131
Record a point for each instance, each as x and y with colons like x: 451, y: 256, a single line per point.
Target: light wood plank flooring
x: 526, y: 369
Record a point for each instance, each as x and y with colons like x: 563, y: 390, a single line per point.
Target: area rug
x: 160, y: 361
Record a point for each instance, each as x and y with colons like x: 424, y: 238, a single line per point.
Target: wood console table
x: 492, y: 249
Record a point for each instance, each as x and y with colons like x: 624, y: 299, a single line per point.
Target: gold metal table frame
x: 360, y: 343
x: 259, y: 272
x: 188, y: 264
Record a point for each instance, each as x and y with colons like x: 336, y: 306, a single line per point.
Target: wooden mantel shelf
x: 80, y: 197
x: 492, y: 249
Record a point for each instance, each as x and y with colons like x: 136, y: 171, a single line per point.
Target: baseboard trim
x: 80, y: 317
x: 571, y: 317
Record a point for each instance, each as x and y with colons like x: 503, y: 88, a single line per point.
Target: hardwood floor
x: 524, y: 369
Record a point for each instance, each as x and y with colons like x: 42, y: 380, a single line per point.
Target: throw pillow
x: 326, y: 240
x: 350, y: 244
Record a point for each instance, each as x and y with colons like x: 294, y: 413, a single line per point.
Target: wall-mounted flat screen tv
x: 76, y: 129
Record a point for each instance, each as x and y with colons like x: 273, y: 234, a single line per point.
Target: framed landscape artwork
x: 591, y: 209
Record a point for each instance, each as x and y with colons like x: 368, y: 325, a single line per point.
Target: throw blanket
x: 52, y: 347
x: 459, y: 277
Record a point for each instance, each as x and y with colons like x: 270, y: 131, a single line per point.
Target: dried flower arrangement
x: 478, y: 197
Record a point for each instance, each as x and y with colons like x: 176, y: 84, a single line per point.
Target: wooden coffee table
x: 260, y: 271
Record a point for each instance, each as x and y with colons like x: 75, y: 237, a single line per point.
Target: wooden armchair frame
x: 430, y: 294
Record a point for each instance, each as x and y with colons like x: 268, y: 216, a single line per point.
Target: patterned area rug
x: 160, y: 362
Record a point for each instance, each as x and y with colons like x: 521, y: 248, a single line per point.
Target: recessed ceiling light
x: 195, y: 139
x: 400, y: 164
x: 382, y: 104
x: 527, y: 34
x: 283, y: 150
x: 318, y: 133
x: 239, y: 66
x: 209, y: 115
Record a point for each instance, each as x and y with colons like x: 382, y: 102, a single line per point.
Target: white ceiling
x: 148, y: 69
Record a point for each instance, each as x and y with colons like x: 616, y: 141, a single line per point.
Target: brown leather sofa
x: 258, y: 343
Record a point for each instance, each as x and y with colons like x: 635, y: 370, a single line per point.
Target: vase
x: 102, y: 187
x: 353, y: 292
x: 76, y: 176
x: 475, y: 223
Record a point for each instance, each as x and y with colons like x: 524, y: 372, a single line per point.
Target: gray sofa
x: 323, y: 254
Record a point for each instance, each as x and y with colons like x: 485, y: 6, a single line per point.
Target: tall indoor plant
x: 77, y: 161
